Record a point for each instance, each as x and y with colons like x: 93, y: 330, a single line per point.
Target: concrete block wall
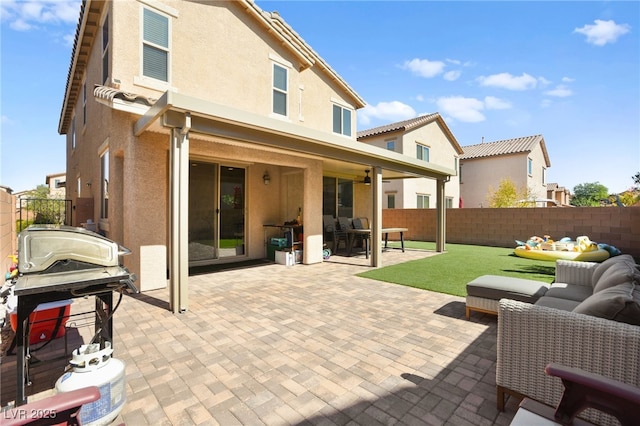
x: 617, y: 226
x: 8, y: 237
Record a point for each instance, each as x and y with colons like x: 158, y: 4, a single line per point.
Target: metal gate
x: 43, y: 211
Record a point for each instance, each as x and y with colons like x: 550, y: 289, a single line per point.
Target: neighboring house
x: 522, y: 160
x: 426, y: 138
x: 57, y: 183
x: 191, y: 125
x: 560, y: 194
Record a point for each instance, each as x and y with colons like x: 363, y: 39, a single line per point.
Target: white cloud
x: 424, y: 67
x: 603, y: 32
x: 561, y: 91
x: 27, y: 15
x: 546, y: 103
x: 6, y: 120
x: 492, y: 102
x: 386, y: 111
x: 452, y: 75
x: 568, y: 80
x: 419, y: 98
x: 507, y: 81
x: 463, y: 109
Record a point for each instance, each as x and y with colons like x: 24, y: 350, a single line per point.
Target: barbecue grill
x: 63, y: 262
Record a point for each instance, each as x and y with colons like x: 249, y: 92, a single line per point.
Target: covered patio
x: 307, y: 344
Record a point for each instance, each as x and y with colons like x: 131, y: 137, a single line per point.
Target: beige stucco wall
x: 480, y: 176
x: 220, y: 53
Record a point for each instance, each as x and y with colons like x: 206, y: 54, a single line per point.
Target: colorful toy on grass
x: 582, y: 249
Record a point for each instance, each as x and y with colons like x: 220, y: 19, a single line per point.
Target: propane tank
x: 92, y: 366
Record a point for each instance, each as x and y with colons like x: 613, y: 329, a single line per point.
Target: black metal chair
x: 333, y: 233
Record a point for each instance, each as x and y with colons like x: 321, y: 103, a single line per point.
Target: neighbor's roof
x: 412, y: 123
x: 86, y: 31
x: 506, y: 147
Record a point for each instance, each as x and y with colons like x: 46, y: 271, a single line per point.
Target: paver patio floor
x: 308, y: 344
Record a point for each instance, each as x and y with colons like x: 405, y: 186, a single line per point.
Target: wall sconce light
x: 266, y: 178
x: 367, y: 179
x: 89, y: 184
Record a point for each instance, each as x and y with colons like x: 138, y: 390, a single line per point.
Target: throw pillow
x: 619, y: 303
x: 601, y: 268
x: 618, y: 273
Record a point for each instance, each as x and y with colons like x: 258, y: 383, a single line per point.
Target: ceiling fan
x: 367, y: 179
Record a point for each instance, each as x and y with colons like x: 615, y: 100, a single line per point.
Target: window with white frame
x: 391, y: 201
x: 155, y: 45
x: 341, y: 120
x: 104, y: 187
x: 422, y: 152
x: 422, y: 201
x: 105, y: 49
x: 391, y: 145
x: 448, y: 202
x: 529, y: 166
x: 280, y: 89
x: 79, y: 188
x: 544, y: 176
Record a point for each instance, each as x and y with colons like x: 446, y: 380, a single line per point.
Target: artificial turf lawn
x: 449, y: 272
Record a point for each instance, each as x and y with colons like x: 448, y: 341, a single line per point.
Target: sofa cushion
x: 570, y: 291
x: 619, y: 303
x: 601, y: 268
x: 557, y: 303
x: 618, y: 273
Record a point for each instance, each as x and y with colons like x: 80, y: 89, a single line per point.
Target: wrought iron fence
x: 43, y: 211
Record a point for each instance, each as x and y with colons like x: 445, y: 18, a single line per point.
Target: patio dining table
x: 366, y: 233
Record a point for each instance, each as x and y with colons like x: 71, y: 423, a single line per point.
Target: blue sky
x: 569, y: 71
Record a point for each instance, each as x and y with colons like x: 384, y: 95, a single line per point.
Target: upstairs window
x: 422, y: 201
x: 529, y: 166
x: 448, y: 201
x: 391, y: 201
x: 422, y: 152
x: 391, y: 145
x: 544, y: 176
x: 341, y: 120
x: 155, y: 46
x: 280, y: 87
x: 105, y: 50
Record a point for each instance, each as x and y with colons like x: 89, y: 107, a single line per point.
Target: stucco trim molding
x: 122, y: 101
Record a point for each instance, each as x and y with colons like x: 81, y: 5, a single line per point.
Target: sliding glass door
x: 216, y: 212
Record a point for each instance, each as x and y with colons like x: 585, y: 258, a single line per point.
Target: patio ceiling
x: 340, y: 155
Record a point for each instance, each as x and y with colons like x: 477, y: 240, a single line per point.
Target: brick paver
x: 308, y: 344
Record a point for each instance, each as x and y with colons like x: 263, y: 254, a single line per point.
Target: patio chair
x: 332, y: 233
x: 362, y: 239
x: 585, y: 390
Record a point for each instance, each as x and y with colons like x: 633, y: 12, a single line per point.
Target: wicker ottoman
x: 484, y: 293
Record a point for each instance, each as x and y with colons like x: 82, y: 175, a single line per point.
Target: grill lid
x: 53, y: 248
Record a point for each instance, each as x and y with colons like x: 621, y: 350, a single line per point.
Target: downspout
x: 179, y: 244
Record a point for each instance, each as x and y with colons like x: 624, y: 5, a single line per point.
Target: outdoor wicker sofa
x: 579, y: 325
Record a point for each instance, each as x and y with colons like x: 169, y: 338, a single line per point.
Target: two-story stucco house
x: 483, y: 166
x: 191, y: 125
x: 428, y: 139
x: 56, y: 183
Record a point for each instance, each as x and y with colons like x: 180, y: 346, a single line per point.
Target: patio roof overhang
x: 340, y: 154
x: 179, y: 116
